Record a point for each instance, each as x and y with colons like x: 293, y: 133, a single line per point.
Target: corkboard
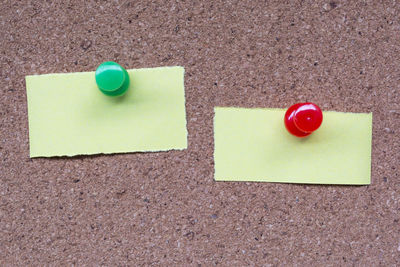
x: 165, y: 208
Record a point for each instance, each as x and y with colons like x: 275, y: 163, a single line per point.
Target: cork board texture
x: 164, y: 208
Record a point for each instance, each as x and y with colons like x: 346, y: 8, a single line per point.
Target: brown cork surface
x: 165, y: 209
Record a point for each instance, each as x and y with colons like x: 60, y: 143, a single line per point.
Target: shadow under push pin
x: 302, y: 119
x: 112, y: 79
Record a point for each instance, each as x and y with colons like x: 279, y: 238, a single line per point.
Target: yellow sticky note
x: 68, y: 115
x: 254, y: 145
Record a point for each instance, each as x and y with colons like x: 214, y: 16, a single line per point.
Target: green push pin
x: 112, y: 79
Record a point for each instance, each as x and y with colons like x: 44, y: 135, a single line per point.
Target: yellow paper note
x: 68, y: 115
x: 254, y: 145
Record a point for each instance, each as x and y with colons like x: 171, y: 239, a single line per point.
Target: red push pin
x: 303, y: 118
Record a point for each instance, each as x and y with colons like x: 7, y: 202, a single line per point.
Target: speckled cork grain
x: 165, y: 208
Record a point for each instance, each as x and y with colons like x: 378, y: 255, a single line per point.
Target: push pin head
x: 112, y: 79
x: 303, y: 118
